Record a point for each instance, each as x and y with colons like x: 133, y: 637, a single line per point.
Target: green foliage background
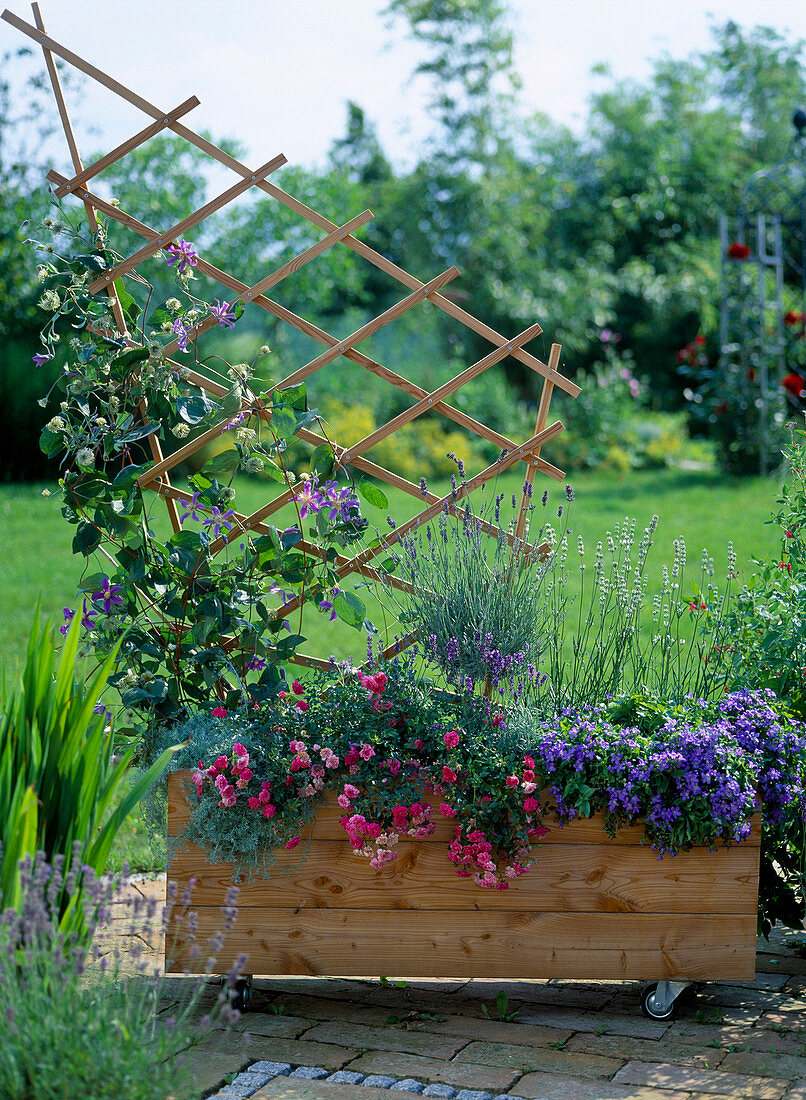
x: 613, y: 228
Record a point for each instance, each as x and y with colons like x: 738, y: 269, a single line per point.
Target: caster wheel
x: 654, y: 1008
x: 240, y: 995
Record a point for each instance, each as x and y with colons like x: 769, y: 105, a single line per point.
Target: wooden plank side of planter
x: 605, y: 878
x: 326, y: 825
x: 497, y: 945
x: 589, y: 908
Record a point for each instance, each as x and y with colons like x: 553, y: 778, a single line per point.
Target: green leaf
x: 294, y: 396
x: 126, y: 477
x: 371, y: 492
x: 122, y: 365
x: 86, y: 538
x: 195, y: 407
x: 323, y: 460
x: 283, y: 422
x: 140, y: 432
x: 225, y: 462
x: 287, y: 644
x: 90, y: 262
x: 50, y: 443
x: 350, y: 609
x: 131, y: 310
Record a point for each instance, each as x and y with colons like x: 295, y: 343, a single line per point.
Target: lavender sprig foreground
x: 474, y: 587
x: 99, y: 1023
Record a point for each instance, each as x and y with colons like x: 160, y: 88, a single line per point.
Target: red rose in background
x: 794, y: 318
x: 738, y: 251
x: 794, y: 384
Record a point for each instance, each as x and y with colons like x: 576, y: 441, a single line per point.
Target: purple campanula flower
x: 184, y: 253
x: 39, y: 359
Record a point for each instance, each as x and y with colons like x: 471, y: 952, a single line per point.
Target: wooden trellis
x: 157, y: 478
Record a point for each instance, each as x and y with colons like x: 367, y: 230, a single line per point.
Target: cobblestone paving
x: 559, y: 1040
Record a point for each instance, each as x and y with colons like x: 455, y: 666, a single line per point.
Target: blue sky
x: 277, y: 73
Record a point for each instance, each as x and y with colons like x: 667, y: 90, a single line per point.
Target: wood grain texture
x: 450, y: 944
x: 590, y: 907
x: 606, y: 878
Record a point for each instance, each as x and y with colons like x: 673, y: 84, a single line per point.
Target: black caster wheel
x: 654, y: 1007
x: 240, y: 995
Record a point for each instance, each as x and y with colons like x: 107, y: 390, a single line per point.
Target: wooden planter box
x: 590, y: 907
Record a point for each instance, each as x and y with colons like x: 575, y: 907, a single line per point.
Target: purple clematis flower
x: 218, y: 520
x: 191, y: 507
x: 257, y: 663
x: 309, y: 498
x: 107, y: 594
x: 182, y: 334
x: 39, y: 359
x: 184, y: 253
x: 225, y: 317
x: 87, y: 618
x: 69, y: 615
x: 327, y: 605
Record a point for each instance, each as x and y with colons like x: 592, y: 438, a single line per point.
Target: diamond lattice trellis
x: 157, y: 478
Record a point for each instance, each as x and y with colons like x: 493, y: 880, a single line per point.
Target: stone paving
x: 549, y: 1040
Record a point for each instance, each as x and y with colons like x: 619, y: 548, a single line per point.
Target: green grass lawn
x: 704, y: 507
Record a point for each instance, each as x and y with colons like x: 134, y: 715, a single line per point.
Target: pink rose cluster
x: 302, y: 761
x: 473, y: 853
x: 375, y: 685
x: 297, y: 691
x: 376, y: 842
x: 227, y: 785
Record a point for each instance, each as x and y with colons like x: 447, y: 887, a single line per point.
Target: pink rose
x: 451, y: 739
x: 219, y: 712
x: 298, y: 688
x: 512, y: 780
x: 301, y: 704
x: 449, y: 775
x: 366, y: 752
x: 293, y: 842
x: 530, y: 805
x: 268, y: 811
x: 446, y: 810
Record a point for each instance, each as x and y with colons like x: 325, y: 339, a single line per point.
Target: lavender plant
x: 97, y: 1024
x: 604, y: 645
x: 474, y: 589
